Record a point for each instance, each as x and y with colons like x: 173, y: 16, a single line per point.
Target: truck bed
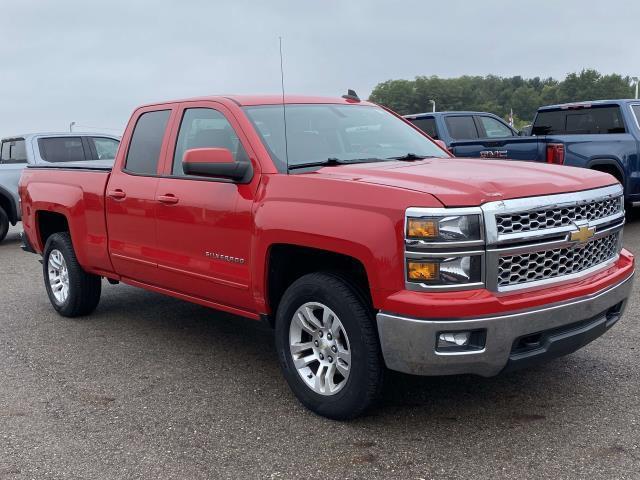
x: 77, y: 191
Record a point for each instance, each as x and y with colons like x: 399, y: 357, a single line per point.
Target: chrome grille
x: 547, y: 264
x: 544, y: 218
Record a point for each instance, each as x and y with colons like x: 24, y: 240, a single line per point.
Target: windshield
x: 317, y: 132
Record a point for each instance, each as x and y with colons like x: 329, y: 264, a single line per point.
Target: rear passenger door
x: 131, y: 196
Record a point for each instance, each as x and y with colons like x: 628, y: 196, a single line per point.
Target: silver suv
x: 18, y: 151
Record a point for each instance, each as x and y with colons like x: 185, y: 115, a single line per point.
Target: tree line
x: 499, y: 95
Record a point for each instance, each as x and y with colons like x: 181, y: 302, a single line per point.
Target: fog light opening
x: 451, y: 339
x: 461, y: 341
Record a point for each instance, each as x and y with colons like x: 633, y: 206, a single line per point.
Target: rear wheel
x: 328, y: 347
x: 4, y: 224
x: 72, y: 291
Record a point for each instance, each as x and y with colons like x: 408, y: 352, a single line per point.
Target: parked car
x: 18, y: 151
x: 602, y: 135
x: 358, y: 239
x: 453, y: 126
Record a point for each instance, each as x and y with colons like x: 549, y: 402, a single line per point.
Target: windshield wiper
x: 409, y: 157
x: 332, y: 162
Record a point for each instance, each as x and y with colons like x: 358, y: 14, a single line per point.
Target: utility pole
x: 433, y: 102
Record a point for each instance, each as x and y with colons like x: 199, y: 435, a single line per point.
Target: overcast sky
x: 93, y: 61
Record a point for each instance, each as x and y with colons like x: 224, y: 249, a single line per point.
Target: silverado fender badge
x: 224, y: 258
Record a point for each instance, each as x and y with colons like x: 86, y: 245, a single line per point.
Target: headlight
x: 445, y: 271
x: 444, y: 248
x: 450, y: 228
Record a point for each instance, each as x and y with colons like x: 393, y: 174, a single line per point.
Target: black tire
x: 364, y: 383
x: 84, y: 288
x: 4, y: 224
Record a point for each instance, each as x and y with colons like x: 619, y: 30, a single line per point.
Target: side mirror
x: 443, y: 146
x: 215, y: 162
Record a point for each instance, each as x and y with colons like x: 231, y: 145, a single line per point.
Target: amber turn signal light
x: 422, y: 271
x: 419, y: 228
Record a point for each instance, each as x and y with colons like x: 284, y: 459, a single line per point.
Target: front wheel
x: 328, y: 346
x: 72, y: 291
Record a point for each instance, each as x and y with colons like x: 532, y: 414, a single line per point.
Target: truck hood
x: 460, y: 182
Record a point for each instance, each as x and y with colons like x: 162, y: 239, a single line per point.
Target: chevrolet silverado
x: 360, y: 241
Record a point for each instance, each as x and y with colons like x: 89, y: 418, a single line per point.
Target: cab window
x: 462, y: 127
x: 13, y: 151
x: 427, y: 125
x: 106, y: 148
x: 494, y: 129
x: 205, y: 128
x: 146, y: 143
x: 585, y: 120
x: 61, y: 149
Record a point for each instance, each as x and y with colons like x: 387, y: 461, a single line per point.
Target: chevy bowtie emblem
x: 583, y: 234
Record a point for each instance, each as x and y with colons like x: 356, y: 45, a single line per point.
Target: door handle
x: 117, y: 194
x: 169, y: 199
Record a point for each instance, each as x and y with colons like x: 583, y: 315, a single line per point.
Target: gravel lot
x: 152, y: 387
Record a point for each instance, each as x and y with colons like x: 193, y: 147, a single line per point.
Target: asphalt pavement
x: 151, y: 387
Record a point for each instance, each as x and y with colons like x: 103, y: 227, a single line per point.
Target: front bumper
x: 512, y: 340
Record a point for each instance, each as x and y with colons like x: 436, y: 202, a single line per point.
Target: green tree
x: 497, y: 94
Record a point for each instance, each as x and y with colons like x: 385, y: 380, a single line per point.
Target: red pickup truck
x: 362, y: 242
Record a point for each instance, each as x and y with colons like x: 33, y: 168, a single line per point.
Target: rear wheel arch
x: 48, y: 223
x: 610, y: 166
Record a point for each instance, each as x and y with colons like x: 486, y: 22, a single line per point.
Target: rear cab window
x: 146, y: 143
x: 462, y: 127
x: 585, y: 120
x: 13, y: 151
x: 61, y: 149
x: 427, y: 125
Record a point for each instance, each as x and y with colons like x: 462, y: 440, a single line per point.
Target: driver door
x: 204, y: 225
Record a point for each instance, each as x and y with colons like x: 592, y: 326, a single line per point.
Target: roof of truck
x: 28, y: 136
x: 252, y: 100
x: 448, y: 112
x: 588, y: 103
